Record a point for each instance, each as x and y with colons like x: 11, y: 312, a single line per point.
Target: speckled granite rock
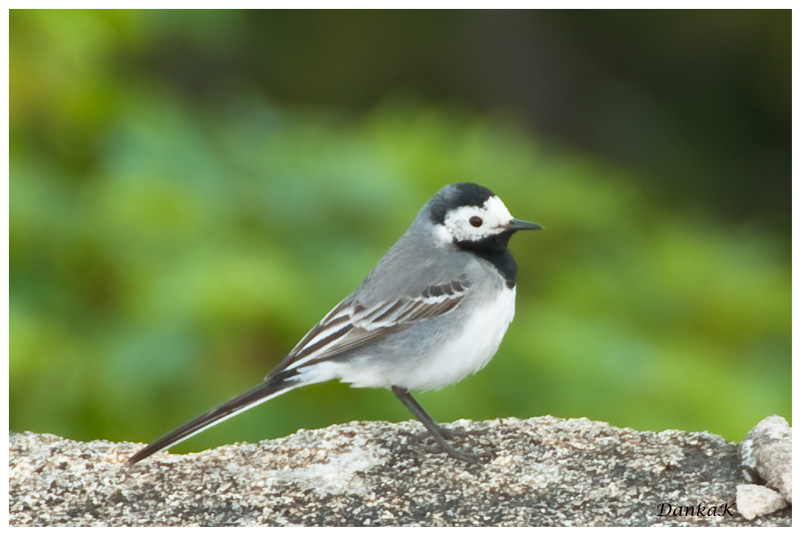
x: 753, y: 501
x: 541, y: 471
x: 766, y: 454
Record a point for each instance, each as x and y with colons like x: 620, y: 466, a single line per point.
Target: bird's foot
x: 442, y: 446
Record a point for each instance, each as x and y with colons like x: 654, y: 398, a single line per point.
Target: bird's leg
x: 405, y: 396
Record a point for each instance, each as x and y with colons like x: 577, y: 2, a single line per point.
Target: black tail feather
x: 261, y: 393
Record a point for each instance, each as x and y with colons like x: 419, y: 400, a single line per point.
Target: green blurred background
x: 190, y: 191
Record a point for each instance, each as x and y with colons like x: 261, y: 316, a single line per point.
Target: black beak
x: 518, y: 224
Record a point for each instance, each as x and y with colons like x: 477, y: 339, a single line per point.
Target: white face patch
x: 492, y: 216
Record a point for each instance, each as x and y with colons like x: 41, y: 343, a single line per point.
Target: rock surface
x: 757, y: 500
x: 766, y: 454
x: 539, y: 472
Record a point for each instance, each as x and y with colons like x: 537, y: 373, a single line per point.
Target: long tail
x: 267, y: 390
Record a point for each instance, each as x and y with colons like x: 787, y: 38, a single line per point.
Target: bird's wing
x: 351, y: 325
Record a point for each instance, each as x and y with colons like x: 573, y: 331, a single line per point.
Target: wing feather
x: 351, y: 325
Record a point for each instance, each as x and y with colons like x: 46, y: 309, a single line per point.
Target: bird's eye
x: 475, y: 221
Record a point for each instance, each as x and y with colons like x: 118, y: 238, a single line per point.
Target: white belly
x: 471, y: 350
x: 475, y: 342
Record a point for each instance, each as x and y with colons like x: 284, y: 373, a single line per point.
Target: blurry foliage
x: 166, y: 253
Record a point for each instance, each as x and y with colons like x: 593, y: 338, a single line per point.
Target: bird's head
x: 466, y: 213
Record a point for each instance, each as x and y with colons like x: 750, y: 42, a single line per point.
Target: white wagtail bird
x: 432, y: 311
